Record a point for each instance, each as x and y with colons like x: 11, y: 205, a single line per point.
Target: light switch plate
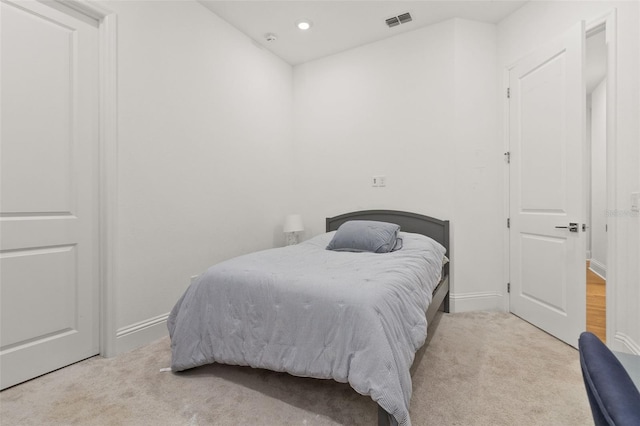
x: 378, y: 181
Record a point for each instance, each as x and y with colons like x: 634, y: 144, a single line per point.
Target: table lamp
x: 293, y: 225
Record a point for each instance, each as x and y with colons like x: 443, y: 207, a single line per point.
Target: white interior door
x: 48, y: 190
x: 546, y: 138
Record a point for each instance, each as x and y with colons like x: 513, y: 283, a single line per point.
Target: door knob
x: 573, y: 227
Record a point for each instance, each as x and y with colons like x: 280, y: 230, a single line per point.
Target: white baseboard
x: 598, y: 269
x: 141, y: 333
x: 628, y: 343
x: 482, y: 301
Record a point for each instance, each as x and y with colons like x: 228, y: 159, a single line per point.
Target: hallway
x: 596, y: 305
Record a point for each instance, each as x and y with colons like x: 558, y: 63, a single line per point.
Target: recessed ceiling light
x: 304, y: 24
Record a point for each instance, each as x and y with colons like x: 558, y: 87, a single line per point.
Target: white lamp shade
x: 293, y: 223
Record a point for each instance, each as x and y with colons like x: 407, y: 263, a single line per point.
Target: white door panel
x: 24, y: 272
x: 38, y: 111
x: 546, y: 134
x: 48, y: 190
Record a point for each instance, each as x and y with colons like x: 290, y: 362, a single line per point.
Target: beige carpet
x: 479, y: 368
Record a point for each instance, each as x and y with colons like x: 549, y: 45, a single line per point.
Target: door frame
x: 608, y: 20
x: 108, y: 171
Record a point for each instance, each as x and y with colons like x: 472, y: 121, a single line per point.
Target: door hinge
x: 508, y: 222
x: 508, y: 287
x: 508, y: 92
x: 507, y: 156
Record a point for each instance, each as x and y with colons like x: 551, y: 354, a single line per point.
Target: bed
x: 312, y: 312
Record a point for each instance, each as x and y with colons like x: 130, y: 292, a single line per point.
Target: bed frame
x: 419, y: 224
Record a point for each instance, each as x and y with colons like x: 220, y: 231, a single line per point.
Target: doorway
x: 596, y: 264
x: 569, y: 290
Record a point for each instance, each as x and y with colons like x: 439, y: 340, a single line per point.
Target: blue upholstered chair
x: 614, y: 399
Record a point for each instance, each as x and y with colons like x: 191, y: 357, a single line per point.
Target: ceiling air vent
x: 400, y: 19
x: 392, y: 22
x: 404, y: 18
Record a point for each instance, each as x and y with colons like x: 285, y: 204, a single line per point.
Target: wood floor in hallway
x: 596, y: 305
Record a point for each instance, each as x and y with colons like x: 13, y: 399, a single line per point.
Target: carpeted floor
x: 479, y: 368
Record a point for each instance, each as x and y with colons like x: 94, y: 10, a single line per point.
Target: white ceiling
x: 342, y: 25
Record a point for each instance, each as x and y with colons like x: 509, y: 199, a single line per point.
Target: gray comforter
x: 351, y: 317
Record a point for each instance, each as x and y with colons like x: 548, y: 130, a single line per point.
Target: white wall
x: 418, y: 108
x: 204, y: 154
x: 477, y: 171
x: 637, y: 189
x: 520, y: 33
x: 599, y: 179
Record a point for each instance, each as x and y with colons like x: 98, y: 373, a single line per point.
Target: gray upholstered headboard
x: 409, y: 222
